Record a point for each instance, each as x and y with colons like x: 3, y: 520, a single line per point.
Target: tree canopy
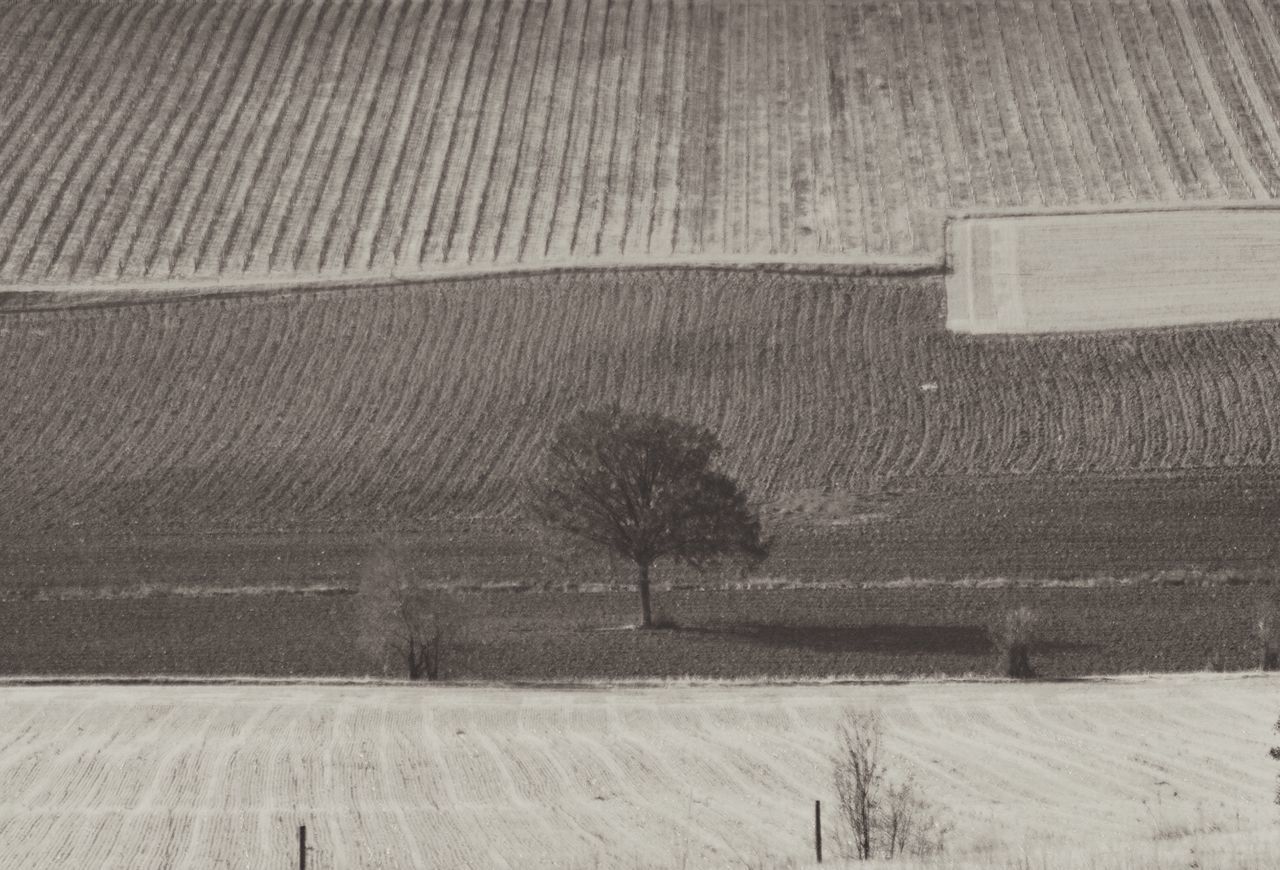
x: 642, y: 485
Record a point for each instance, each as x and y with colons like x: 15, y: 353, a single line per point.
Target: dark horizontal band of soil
x: 1040, y: 527
x: 524, y: 636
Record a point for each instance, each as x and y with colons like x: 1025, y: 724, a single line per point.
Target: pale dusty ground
x: 408, y: 776
x: 1119, y: 270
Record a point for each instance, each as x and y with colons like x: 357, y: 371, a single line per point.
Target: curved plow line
x: 616, y: 218
x: 71, y: 424
x: 172, y: 231
x: 1149, y: 149
x: 250, y: 200
x: 1198, y: 166
x: 482, y: 219
x: 452, y: 184
x: 604, y: 186
x: 225, y: 199
x: 304, y: 256
x: 272, y: 206
x: 385, y: 177
x: 285, y: 230
x: 540, y: 106
x: 359, y: 177
x: 1023, y: 102
x: 140, y: 156
x: 1068, y: 113
x: 579, y: 152
x: 1225, y: 124
x: 101, y: 148
x: 195, y: 219
x: 1244, y: 74
x: 470, y: 218
x: 15, y: 36
x: 24, y: 132
x: 50, y: 148
x: 1020, y: 772
x: 433, y: 162
x: 179, y: 149
x: 642, y: 207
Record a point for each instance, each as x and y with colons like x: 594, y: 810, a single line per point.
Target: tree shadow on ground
x: 952, y: 639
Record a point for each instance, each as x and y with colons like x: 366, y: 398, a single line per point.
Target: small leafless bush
x: 664, y: 616
x: 404, y: 626
x: 1267, y: 631
x: 882, y: 815
x: 1015, y: 637
x: 1275, y: 755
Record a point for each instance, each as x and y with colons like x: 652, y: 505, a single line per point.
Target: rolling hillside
x: 200, y: 140
x: 417, y: 402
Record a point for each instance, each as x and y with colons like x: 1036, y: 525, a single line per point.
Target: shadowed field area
x: 792, y: 633
x: 942, y: 528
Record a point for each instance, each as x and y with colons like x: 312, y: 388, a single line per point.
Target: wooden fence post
x: 817, y: 829
x: 302, y: 847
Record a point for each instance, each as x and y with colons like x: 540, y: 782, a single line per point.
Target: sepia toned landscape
x: 587, y: 433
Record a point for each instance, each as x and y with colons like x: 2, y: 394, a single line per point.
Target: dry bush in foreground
x: 1267, y: 631
x: 884, y: 816
x: 1015, y: 637
x: 399, y: 620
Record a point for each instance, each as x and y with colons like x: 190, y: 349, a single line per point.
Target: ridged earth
x: 190, y: 139
x: 429, y: 401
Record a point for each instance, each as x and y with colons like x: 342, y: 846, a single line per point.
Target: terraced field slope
x: 178, y: 777
x: 213, y: 140
x: 410, y: 403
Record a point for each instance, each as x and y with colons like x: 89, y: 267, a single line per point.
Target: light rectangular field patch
x: 1079, y: 272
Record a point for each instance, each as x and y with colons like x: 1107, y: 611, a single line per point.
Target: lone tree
x: 642, y: 486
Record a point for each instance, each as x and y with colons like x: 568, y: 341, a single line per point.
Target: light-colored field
x: 144, y: 140
x: 1112, y: 270
x: 214, y: 776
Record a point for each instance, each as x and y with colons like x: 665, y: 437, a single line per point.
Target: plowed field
x: 187, y: 777
x: 161, y: 141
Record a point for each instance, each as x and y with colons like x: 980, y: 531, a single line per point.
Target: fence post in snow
x: 817, y: 829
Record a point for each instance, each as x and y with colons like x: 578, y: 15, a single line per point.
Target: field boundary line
x: 595, y: 684
x: 1152, y: 207
x: 868, y: 266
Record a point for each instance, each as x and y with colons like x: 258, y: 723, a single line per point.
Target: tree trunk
x: 413, y: 659
x: 646, y: 612
x: 1018, y: 664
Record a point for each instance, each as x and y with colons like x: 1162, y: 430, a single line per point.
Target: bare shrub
x: 1275, y: 755
x: 401, y: 624
x: 1267, y: 631
x: 664, y: 616
x: 1015, y: 636
x: 883, y: 815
